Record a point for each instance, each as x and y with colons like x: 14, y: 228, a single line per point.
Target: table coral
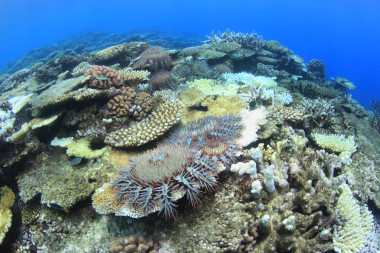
x: 155, y: 125
x: 102, y: 77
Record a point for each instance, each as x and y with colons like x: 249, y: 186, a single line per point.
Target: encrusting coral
x: 103, y: 77
x: 155, y: 125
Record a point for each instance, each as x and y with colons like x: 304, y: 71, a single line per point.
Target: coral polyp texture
x: 103, y: 77
x: 355, y: 225
x: 134, y: 77
x: 155, y: 125
x: 154, y: 58
x: 155, y: 180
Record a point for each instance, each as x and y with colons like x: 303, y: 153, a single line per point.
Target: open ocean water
x: 248, y: 126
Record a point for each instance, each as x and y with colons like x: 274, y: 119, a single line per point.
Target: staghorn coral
x: 355, y: 225
x: 155, y: 125
x: 134, y: 77
x: 154, y: 58
x: 7, y: 198
x: 102, y: 77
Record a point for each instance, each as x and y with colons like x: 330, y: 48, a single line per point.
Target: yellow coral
x: 78, y: 148
x: 7, y: 198
x: 104, y: 200
x: 132, y: 77
x: 215, y: 106
x: 335, y: 142
x: 355, y: 223
x: 110, y: 51
x: 207, y: 86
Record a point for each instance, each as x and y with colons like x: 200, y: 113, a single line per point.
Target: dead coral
x: 103, y: 77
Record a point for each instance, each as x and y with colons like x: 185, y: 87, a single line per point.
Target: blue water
x: 344, y: 34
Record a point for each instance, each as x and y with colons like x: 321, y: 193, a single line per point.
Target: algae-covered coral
x: 250, y: 150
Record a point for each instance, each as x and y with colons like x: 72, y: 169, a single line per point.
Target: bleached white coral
x: 283, y: 98
x: 251, y: 120
x: 249, y: 79
x: 245, y: 168
x: 355, y: 226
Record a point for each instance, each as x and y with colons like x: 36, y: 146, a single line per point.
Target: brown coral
x: 132, y: 244
x: 103, y: 77
x: 128, y: 102
x: 155, y: 125
x: 154, y: 58
x: 121, y: 104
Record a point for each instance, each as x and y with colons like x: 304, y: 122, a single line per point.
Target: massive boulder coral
x: 155, y: 125
x: 103, y: 77
x: 131, y: 103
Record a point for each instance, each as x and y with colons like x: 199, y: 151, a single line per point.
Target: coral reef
x: 251, y: 149
x: 355, y: 224
x: 155, y: 125
x: 154, y: 58
x: 137, y: 105
x: 7, y: 198
x: 102, y: 77
x: 133, y: 244
x: 134, y: 77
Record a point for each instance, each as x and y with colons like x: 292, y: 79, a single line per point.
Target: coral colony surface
x: 233, y: 145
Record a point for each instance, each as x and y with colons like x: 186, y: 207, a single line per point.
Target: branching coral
x: 336, y: 142
x: 155, y: 125
x: 134, y: 77
x: 355, y: 223
x: 103, y: 77
x: 245, y: 40
x: 154, y: 58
